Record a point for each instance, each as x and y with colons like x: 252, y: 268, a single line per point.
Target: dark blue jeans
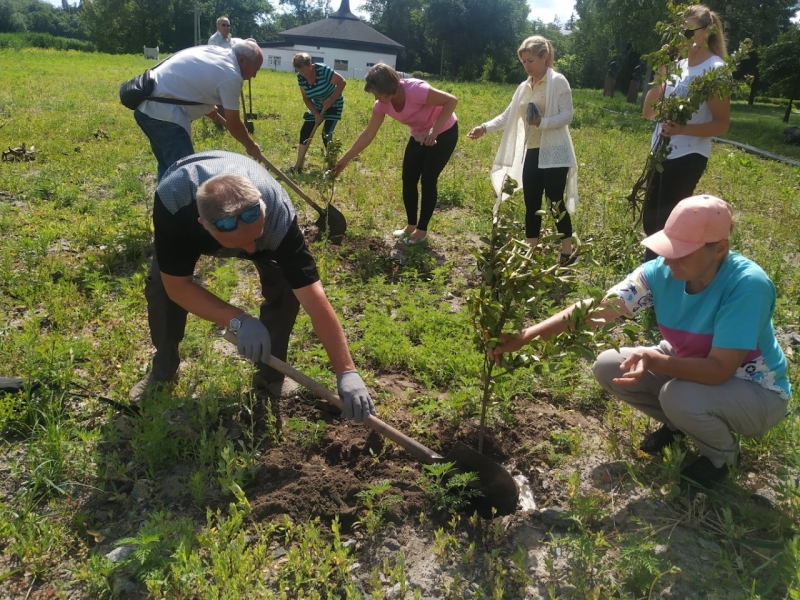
x: 169, y: 141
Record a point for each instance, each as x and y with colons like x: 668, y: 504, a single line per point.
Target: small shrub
x: 376, y: 505
x: 306, y: 433
x: 449, y: 491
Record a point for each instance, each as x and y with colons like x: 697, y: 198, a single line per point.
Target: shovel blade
x: 332, y: 221
x: 498, y: 487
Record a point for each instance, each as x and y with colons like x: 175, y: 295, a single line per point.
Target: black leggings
x: 425, y: 163
x: 676, y: 182
x: 308, y: 127
x: 535, y: 182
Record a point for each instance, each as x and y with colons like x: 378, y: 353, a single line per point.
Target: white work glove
x: 357, y: 403
x: 253, y: 340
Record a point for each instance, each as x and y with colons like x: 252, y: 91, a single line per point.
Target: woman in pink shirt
x: 434, y: 132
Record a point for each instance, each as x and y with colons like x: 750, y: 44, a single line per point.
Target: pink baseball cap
x: 694, y: 222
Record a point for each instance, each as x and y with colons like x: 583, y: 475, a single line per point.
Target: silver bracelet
x: 483, y: 127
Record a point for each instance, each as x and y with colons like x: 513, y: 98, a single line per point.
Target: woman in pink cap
x: 434, y: 132
x: 719, y: 369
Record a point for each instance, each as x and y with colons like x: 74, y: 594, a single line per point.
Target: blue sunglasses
x: 229, y: 224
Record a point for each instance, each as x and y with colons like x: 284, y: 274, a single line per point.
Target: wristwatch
x: 236, y: 322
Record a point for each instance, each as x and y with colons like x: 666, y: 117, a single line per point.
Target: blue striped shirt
x: 319, y: 91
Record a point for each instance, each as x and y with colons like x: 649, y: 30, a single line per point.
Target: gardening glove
x: 253, y: 340
x: 357, y: 403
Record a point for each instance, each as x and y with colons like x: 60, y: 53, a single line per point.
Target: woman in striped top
x: 322, y: 90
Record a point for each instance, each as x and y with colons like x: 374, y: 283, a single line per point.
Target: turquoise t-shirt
x: 734, y: 311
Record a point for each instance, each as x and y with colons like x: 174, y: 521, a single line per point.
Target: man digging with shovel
x: 225, y: 204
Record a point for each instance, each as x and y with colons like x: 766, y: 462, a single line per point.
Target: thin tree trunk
x: 487, y: 393
x: 753, y: 89
x: 788, y: 111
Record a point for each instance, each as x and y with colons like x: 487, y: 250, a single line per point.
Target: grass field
x: 78, y: 475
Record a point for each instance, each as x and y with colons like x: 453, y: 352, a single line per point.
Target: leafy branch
x: 515, y: 278
x: 330, y: 153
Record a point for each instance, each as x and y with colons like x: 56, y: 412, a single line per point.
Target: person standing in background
x: 690, y: 144
x: 536, y: 147
x: 222, y: 37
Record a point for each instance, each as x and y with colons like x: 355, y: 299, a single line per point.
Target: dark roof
x: 343, y: 29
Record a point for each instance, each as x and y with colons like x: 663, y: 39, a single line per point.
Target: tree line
x: 465, y: 39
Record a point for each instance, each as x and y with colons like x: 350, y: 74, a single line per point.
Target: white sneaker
x: 401, y: 233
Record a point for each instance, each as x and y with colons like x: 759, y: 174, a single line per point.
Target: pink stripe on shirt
x: 695, y: 345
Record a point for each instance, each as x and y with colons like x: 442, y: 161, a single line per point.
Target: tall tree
x: 404, y: 22
x: 780, y: 67
x: 470, y: 33
x: 761, y: 21
x: 118, y: 26
x: 302, y: 12
x: 41, y: 17
x: 615, y: 30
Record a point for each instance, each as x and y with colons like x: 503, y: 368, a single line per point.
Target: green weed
x: 377, y: 504
x: 236, y: 467
x: 449, y: 491
x: 307, y: 433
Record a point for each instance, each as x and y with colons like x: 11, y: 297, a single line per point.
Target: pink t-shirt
x: 416, y: 114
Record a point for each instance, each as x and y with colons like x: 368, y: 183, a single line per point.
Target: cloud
x: 547, y: 11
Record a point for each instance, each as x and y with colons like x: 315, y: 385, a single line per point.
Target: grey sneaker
x: 147, y: 386
x: 281, y: 390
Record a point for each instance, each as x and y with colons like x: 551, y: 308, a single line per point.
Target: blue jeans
x: 169, y: 141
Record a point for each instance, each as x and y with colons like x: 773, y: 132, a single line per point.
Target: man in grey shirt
x: 225, y: 204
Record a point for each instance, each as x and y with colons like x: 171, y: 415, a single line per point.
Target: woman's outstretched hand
x: 508, y: 343
x: 340, y: 167
x: 475, y: 132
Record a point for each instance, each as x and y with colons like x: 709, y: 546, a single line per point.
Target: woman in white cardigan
x: 538, y: 152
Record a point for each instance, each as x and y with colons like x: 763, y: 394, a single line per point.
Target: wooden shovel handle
x: 413, y: 447
x: 292, y: 185
x: 313, y: 131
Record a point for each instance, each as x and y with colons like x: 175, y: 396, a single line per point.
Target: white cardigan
x: 556, y: 149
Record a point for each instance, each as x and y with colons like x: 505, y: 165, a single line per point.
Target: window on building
x: 317, y: 59
x: 370, y: 65
x: 273, y: 61
x: 340, y: 65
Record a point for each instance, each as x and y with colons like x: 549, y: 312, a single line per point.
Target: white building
x: 341, y: 41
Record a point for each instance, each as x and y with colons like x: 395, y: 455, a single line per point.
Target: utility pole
x: 196, y: 22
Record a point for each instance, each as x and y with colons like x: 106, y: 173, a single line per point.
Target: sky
x: 544, y: 10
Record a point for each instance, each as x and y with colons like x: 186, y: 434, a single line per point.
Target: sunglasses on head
x: 690, y: 32
x: 249, y: 216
